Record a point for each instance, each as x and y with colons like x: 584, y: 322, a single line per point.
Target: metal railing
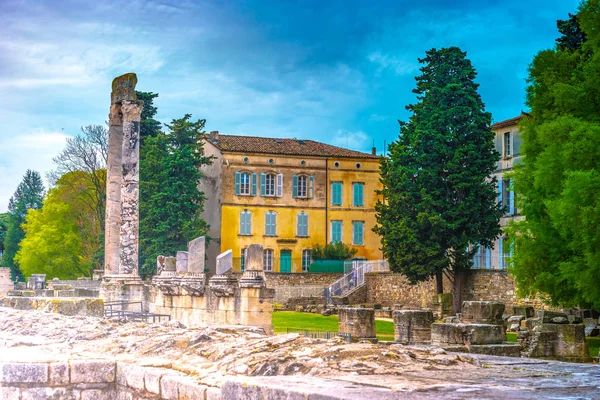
x: 315, y: 334
x: 355, y: 278
x: 117, y: 309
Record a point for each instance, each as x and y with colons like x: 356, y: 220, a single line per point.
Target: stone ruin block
x: 482, y: 312
x: 526, y: 311
x: 412, y: 326
x: 537, y: 344
x: 181, y: 262
x: 196, y: 255
x: 358, y: 322
x: 591, y: 327
x: 552, y: 317
x: 442, y: 304
x: 224, y: 262
x: 514, y: 322
x: 466, y: 334
x: 254, y: 258
x: 570, y: 340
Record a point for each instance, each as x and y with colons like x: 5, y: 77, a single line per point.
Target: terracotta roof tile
x: 507, y: 122
x: 292, y: 147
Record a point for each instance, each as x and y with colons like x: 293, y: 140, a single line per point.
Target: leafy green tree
x: 29, y: 195
x: 4, y: 218
x: 171, y: 202
x: 149, y: 127
x: 557, y: 246
x: 438, y: 198
x: 333, y: 251
x: 62, y: 239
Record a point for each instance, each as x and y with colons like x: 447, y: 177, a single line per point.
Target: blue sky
x: 334, y: 71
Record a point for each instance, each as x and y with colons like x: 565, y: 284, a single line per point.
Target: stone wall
x: 5, y: 283
x: 300, y: 279
x: 81, y: 283
x: 485, y: 285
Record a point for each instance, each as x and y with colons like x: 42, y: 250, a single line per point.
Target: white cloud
x: 20, y: 153
x: 398, y: 65
x: 357, y: 140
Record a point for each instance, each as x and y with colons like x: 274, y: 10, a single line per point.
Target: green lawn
x: 295, y: 320
x: 385, y: 329
x: 593, y: 342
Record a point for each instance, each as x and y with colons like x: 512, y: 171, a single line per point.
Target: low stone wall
x: 81, y: 283
x: 96, y: 380
x: 65, y: 306
x: 275, y: 280
x: 5, y: 283
x: 481, y: 285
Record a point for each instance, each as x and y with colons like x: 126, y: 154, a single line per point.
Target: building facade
x: 288, y: 195
x: 508, y: 144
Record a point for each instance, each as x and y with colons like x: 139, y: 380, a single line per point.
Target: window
x: 243, y: 259
x: 268, y: 185
x: 268, y: 260
x: 358, y: 190
x: 336, y: 231
x: 336, y: 193
x: 246, y: 222
x: 303, y: 186
x: 507, y: 145
x: 245, y: 184
x: 302, y: 225
x: 305, y: 260
x: 358, y: 231
x: 271, y: 223
x: 506, y: 196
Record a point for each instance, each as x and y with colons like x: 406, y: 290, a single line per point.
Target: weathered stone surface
x: 412, y: 326
x: 196, y: 258
x: 570, y: 340
x: 182, y: 261
x: 545, y: 316
x: 591, y: 326
x: 467, y: 334
x: 482, y: 312
x: 224, y: 262
x: 442, y: 304
x: 23, y: 373
x: 59, y: 373
x: 170, y: 264
x: 123, y: 88
x: 5, y: 283
x: 254, y: 258
x: 93, y: 371
x: 358, y: 322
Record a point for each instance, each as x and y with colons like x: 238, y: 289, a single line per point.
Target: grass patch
x: 593, y: 342
x: 316, y: 322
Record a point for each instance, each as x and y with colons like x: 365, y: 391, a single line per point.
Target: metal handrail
x: 355, y: 278
x: 110, y: 312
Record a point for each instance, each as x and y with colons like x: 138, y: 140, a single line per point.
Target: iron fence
x: 122, y: 310
x: 315, y: 334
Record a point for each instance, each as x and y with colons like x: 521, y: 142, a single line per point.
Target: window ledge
x: 303, y: 237
x: 245, y: 234
x: 270, y: 236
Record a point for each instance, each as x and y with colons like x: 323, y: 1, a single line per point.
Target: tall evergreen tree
x: 557, y: 246
x: 29, y: 195
x: 171, y: 202
x: 438, y: 197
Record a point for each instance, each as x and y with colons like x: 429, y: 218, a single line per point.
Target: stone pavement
x: 97, y: 358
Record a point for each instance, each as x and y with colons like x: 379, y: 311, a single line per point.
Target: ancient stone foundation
x: 5, y: 282
x: 358, y: 322
x: 412, y: 326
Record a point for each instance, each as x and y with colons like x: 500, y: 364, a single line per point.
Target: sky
x: 339, y: 72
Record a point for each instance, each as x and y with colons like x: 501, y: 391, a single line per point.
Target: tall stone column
x: 121, y: 281
x: 113, y: 191
x: 130, y: 172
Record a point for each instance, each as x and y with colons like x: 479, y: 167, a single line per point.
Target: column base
x: 126, y: 288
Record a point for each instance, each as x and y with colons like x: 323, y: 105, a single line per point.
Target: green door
x: 285, y: 261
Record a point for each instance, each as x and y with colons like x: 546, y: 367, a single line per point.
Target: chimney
x: 373, y: 151
x: 213, y: 135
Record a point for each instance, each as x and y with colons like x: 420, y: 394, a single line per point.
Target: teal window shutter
x: 237, y: 183
x: 336, y: 231
x: 249, y: 222
x: 500, y: 254
x: 336, y: 194
x: 302, y: 227
x: 254, y: 184
x: 358, y: 232
x: 263, y: 184
x: 295, y: 186
x: 488, y: 258
x: 273, y: 224
x: 358, y: 189
x: 243, y: 223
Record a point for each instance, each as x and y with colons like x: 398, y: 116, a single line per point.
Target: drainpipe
x: 326, y: 199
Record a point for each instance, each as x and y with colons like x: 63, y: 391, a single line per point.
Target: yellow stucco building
x: 288, y: 195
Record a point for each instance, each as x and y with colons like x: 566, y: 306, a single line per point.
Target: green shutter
x: 263, y: 184
x: 336, y: 196
x: 237, y: 183
x: 295, y: 186
x: 254, y: 184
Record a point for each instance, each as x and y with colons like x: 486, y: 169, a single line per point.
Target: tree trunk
x: 439, y: 278
x: 459, y: 278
